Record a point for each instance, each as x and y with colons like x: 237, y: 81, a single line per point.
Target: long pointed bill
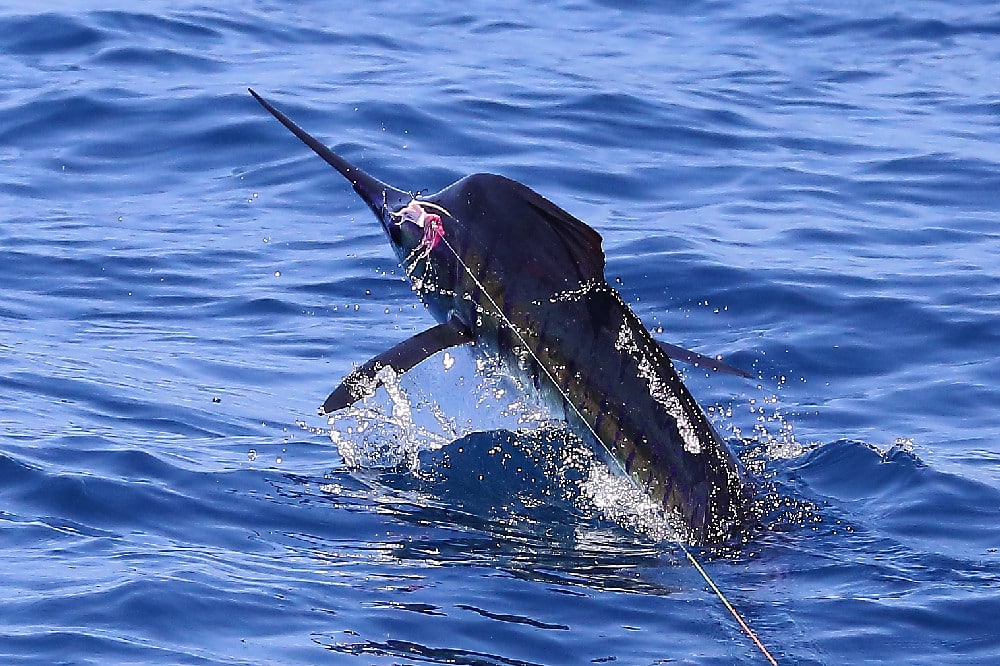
x: 381, y: 198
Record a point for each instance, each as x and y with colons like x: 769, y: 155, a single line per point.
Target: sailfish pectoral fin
x: 364, y: 379
x: 699, y: 360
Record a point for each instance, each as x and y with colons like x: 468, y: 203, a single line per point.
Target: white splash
x: 366, y: 436
x: 619, y: 499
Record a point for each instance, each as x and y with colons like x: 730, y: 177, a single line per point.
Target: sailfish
x: 507, y: 271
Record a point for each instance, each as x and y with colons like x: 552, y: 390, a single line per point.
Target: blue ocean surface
x: 811, y: 190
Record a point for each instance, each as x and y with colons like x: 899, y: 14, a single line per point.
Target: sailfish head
x: 415, y: 227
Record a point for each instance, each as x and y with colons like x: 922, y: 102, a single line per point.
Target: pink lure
x: 433, y: 231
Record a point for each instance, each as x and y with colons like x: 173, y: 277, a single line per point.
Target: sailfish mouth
x: 383, y: 199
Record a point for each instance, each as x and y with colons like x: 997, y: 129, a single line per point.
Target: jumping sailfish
x: 505, y: 269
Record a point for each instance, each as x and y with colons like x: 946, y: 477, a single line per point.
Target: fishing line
x: 691, y: 558
x: 715, y: 588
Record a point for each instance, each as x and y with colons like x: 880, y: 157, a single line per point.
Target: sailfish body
x: 504, y: 268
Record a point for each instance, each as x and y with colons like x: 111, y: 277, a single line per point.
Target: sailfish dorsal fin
x: 568, y: 245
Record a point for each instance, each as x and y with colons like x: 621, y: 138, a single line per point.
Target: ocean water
x: 812, y: 191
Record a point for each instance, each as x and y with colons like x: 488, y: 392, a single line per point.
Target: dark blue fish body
x: 502, y: 267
